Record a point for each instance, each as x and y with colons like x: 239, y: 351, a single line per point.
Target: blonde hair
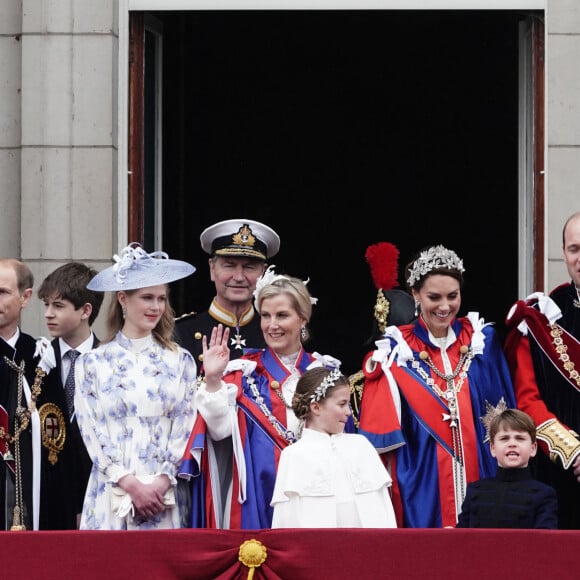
x: 162, y: 333
x: 296, y: 290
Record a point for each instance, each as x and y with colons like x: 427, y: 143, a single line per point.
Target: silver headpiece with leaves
x: 327, y: 383
x: 432, y: 259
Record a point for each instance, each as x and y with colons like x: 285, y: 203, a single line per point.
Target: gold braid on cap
x: 244, y: 237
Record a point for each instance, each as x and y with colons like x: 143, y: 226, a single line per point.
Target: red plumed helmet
x: 383, y: 259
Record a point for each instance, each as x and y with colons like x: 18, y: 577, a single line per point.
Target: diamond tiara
x: 327, y: 382
x: 432, y: 259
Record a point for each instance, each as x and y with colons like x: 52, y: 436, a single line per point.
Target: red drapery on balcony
x: 304, y: 554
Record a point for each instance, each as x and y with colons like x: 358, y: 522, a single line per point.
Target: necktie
x: 69, y: 385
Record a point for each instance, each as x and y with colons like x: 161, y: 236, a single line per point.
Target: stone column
x: 68, y: 148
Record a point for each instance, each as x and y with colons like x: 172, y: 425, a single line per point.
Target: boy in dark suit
x: 70, y: 311
x: 513, y: 498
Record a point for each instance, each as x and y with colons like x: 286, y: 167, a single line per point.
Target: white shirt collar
x: 14, y: 338
x: 83, y: 347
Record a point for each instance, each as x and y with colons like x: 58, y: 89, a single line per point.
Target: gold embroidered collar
x: 228, y: 318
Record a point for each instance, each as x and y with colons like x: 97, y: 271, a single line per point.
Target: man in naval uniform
x: 238, y: 250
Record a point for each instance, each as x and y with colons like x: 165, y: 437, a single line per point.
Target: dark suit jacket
x: 24, y: 350
x: 511, y: 499
x: 64, y: 482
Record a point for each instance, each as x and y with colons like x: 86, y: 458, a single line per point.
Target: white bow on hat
x: 135, y: 268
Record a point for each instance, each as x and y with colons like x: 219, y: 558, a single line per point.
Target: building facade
x: 64, y: 113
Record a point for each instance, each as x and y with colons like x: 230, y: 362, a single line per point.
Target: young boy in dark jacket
x: 513, y: 498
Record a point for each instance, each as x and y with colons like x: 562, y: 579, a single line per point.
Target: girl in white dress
x: 328, y: 478
x: 134, y: 399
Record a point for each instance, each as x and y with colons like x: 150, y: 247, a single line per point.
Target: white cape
x: 329, y: 481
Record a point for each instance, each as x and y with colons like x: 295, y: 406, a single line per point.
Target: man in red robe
x: 543, y: 350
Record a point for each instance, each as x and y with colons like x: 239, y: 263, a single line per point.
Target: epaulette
x: 186, y: 315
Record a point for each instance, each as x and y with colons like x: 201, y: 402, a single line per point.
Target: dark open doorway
x: 341, y: 129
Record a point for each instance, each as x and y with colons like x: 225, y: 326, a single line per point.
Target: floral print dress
x: 134, y: 406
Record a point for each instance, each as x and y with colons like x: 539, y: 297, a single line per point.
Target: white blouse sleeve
x: 218, y: 409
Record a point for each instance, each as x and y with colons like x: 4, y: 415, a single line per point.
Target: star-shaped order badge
x: 491, y: 412
x: 238, y: 342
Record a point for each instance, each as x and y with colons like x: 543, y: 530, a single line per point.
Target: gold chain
x: 21, y: 421
x: 22, y: 413
x: 452, y: 389
x: 286, y: 433
x: 450, y: 396
x: 562, y: 350
x: 278, y: 390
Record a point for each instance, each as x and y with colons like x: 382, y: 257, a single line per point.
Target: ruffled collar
x: 386, y: 352
x: 135, y: 345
